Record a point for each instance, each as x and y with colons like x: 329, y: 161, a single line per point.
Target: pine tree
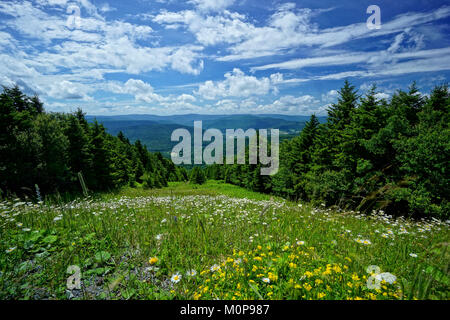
x: 101, y: 158
x: 80, y: 158
x: 197, y: 176
x: 52, y: 170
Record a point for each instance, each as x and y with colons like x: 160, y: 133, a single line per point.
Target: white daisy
x: 191, y: 273
x: 176, y: 278
x: 10, y: 249
x: 215, y: 267
x: 265, y: 280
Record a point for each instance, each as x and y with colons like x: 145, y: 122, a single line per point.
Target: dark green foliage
x: 371, y: 154
x: 49, y: 150
x: 197, y: 176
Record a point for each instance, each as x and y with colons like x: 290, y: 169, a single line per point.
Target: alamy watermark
x: 74, y: 281
x: 377, y: 278
x: 74, y: 19
x: 374, y: 21
x: 213, y: 153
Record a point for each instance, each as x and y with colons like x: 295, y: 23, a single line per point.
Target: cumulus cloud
x: 141, y: 90
x: 40, y: 52
x: 74, y: 57
x: 69, y: 90
x: 209, y: 30
x: 382, y: 95
x: 305, y: 104
x: 144, y: 92
x: 330, y: 96
x: 238, y: 84
x: 212, y: 5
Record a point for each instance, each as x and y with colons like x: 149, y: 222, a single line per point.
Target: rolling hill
x: 155, y: 131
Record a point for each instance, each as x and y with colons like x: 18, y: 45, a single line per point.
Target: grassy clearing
x: 211, y: 188
x: 216, y: 241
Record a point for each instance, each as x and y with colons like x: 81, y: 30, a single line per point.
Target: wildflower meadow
x: 215, y: 241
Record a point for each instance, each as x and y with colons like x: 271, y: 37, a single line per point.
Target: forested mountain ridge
x: 155, y: 131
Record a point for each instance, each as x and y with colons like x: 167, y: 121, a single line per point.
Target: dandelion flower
x: 176, y: 278
x: 307, y: 286
x: 355, y: 277
x: 153, y: 260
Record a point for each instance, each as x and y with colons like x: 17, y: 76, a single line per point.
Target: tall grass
x: 239, y: 244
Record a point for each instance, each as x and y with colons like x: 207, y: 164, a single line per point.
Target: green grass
x: 241, y: 245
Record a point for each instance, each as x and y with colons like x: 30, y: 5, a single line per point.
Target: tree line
x: 47, y: 151
x: 371, y: 154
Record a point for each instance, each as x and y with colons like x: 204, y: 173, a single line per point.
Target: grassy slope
x: 265, y: 247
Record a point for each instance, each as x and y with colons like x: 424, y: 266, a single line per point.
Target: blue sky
x: 218, y: 56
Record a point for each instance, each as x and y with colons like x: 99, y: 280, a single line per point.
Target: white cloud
x: 382, y: 95
x: 141, y: 90
x: 330, y: 96
x: 396, y: 61
x: 39, y: 51
x: 292, y: 29
x: 342, y: 59
x: 427, y: 61
x: 210, y: 29
x: 79, y: 56
x: 237, y: 84
x: 305, y: 104
x: 107, y: 8
x: 69, y: 90
x: 212, y: 5
x: 186, y: 98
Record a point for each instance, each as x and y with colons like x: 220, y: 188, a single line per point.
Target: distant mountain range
x: 155, y: 131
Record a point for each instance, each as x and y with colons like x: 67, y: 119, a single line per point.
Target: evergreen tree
x: 80, y: 158
x: 197, y: 176
x: 52, y: 172
x: 101, y: 158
